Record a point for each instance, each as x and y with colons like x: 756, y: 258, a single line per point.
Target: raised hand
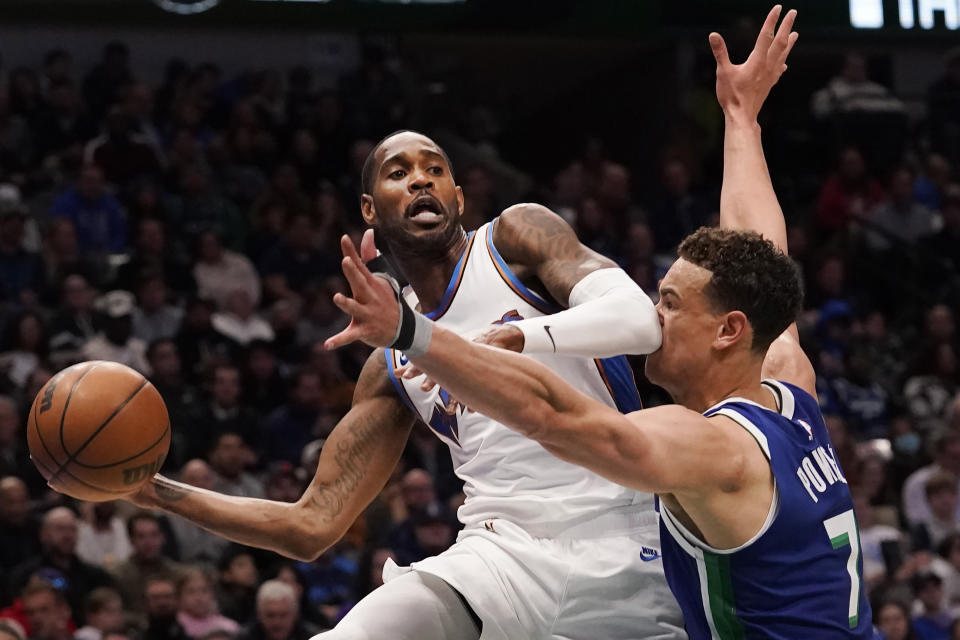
x: 373, y: 308
x: 742, y: 88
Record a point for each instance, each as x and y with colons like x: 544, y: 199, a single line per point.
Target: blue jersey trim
x: 513, y: 281
x: 455, y: 278
x: 618, y: 377
x: 401, y: 391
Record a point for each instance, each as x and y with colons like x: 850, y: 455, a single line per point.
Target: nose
x: 420, y: 181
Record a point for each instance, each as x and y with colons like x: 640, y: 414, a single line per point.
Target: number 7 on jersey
x: 842, y: 530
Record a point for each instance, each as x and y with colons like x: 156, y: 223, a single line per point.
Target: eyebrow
x: 668, y: 291
x: 402, y: 157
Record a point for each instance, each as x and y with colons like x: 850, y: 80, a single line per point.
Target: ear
x: 734, y: 329
x: 459, y: 201
x: 367, y: 210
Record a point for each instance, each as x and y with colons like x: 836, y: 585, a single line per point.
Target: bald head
x: 417, y: 488
x: 58, y: 532
x: 14, y: 501
x: 196, y: 472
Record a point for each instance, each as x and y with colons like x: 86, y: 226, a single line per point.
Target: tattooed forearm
x: 169, y: 491
x: 351, y: 458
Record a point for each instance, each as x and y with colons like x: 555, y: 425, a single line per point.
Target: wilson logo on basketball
x: 134, y: 475
x: 47, y: 400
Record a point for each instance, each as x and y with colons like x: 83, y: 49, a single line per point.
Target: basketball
x: 98, y: 431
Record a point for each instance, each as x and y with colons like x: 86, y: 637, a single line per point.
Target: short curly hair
x: 749, y: 274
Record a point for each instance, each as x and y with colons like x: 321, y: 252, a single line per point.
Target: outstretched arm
x: 747, y: 198
x: 667, y: 449
x: 355, y: 463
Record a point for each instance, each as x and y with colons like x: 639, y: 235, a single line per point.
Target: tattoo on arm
x: 535, y: 236
x: 350, y: 459
x: 169, y: 491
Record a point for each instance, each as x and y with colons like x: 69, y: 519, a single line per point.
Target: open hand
x: 375, y: 314
x: 742, y: 88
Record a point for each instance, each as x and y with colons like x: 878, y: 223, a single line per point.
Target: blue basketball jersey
x: 800, y: 576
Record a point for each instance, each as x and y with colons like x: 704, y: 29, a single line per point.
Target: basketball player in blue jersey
x: 549, y: 549
x: 758, y: 531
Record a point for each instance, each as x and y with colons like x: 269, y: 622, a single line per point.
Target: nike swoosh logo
x: 646, y: 558
x: 546, y: 328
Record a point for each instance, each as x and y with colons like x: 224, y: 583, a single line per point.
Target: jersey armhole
x: 389, y: 354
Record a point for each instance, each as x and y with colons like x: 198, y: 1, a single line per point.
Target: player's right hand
x: 742, y: 88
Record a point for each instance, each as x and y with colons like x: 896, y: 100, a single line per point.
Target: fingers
x: 368, y: 248
x: 345, y: 337
x: 768, y: 30
x: 350, y: 251
x: 719, y: 48
x: 790, y: 42
x: 358, y: 284
x: 780, y: 46
x: 347, y: 305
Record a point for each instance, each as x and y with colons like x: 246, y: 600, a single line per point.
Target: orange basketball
x: 98, y: 430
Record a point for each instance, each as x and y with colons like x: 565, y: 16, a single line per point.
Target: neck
x: 735, y: 377
x: 429, y: 272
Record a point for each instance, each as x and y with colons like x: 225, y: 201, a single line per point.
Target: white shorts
x: 606, y: 586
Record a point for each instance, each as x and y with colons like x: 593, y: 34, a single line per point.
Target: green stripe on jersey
x: 720, y: 590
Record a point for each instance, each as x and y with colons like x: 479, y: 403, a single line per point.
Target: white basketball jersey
x: 507, y: 475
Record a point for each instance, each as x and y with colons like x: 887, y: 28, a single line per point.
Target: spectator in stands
x: 101, y: 86
x: 934, y: 384
x: 855, y: 396
x: 181, y: 398
x: 147, y: 539
x: 278, y: 615
x: 154, y: 317
x: 291, y: 426
x: 264, y: 387
x: 18, y: 528
x: 102, y: 537
x: 946, y: 459
x: 296, y: 258
x: 223, y: 412
x: 238, y: 323
x: 681, y: 210
x: 74, y: 324
x: 104, y: 613
x: 881, y: 544
x: 58, y: 542
x: 22, y: 276
x: 115, y: 342
x: 849, y: 193
x: 160, y: 601
x: 853, y: 91
x: 62, y: 258
x: 97, y: 214
x: 283, y: 484
x: 940, y: 490
x: 63, y: 126
x: 229, y: 457
x: 892, y: 618
x: 425, y: 533
x: 197, y: 545
x: 200, y: 208
x: 153, y: 253
x: 122, y: 151
x: 197, y: 341
x: 14, y: 459
x: 238, y: 582
x: 47, y: 611
x: 197, y: 610
x: 899, y: 219
x: 219, y: 271
x: 949, y: 550
x: 25, y: 347
x: 369, y: 573
x: 934, y: 621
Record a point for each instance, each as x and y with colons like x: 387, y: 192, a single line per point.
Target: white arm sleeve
x: 609, y: 315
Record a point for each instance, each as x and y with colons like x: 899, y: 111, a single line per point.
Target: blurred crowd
x: 190, y: 230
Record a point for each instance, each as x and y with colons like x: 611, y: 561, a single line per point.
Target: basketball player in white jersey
x: 549, y: 549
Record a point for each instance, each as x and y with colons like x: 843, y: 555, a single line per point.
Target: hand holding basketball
x: 98, y: 431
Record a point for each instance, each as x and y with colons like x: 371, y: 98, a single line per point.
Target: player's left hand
x: 373, y: 309
x: 503, y: 336
x: 742, y: 88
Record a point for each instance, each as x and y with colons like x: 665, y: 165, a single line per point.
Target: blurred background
x: 175, y: 174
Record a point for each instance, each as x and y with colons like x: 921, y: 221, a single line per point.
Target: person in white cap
x: 115, y: 341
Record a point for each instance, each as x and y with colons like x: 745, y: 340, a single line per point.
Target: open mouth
x: 425, y: 210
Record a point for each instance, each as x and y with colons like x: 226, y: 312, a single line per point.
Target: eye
x: 396, y: 175
x: 437, y: 171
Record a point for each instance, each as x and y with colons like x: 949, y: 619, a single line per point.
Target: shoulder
x: 521, y: 229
